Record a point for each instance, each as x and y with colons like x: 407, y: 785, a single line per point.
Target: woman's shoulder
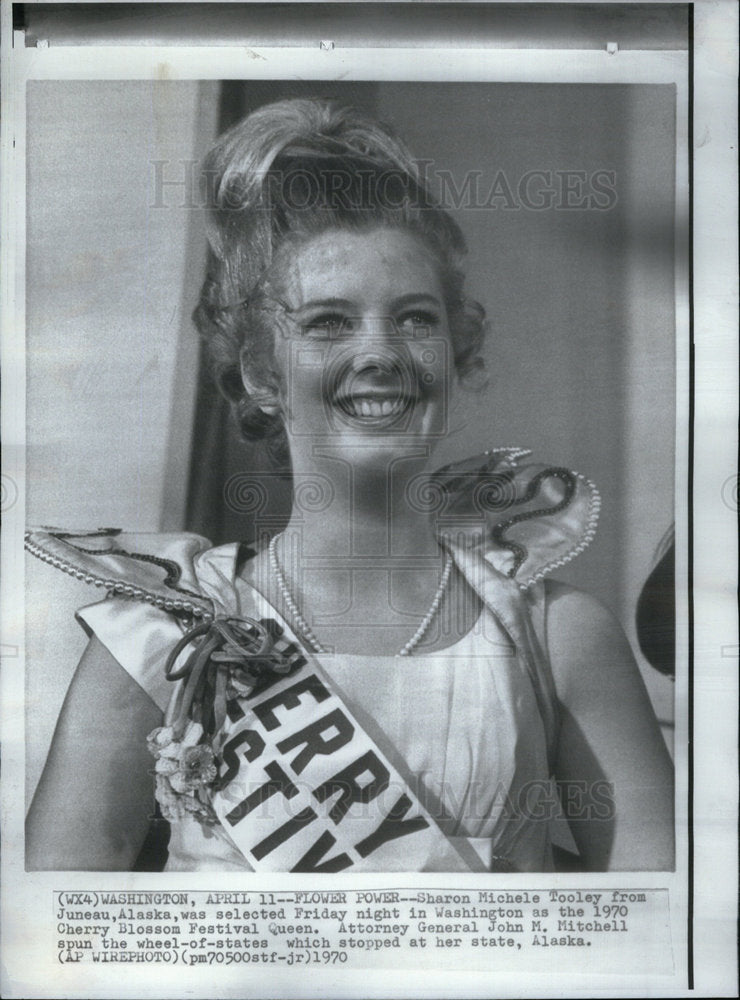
x: 572, y: 611
x: 154, y: 587
x: 588, y: 650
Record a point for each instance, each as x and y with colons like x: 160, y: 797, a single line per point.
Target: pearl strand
x: 427, y: 619
x: 308, y: 632
x: 298, y: 618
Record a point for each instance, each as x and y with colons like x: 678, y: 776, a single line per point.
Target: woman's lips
x: 370, y: 407
x: 375, y: 388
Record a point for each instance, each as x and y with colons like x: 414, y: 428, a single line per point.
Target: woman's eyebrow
x: 410, y: 298
x: 415, y: 297
x: 330, y: 303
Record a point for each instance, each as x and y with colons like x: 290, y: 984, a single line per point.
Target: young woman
x: 392, y: 681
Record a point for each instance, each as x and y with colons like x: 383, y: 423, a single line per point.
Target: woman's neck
x: 360, y: 559
x: 354, y: 514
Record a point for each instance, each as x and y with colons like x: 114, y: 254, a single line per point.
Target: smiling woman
x: 365, y: 347
x: 267, y: 680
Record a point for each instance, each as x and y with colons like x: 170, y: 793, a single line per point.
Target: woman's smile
x: 365, y: 403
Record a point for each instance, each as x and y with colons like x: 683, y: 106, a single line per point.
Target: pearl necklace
x: 308, y: 632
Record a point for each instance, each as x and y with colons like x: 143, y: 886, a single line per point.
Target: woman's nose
x: 374, y: 351
x: 375, y: 363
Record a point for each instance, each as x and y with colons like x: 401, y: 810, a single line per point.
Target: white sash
x: 304, y: 788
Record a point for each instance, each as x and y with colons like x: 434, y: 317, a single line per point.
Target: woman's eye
x: 417, y: 321
x: 327, y: 325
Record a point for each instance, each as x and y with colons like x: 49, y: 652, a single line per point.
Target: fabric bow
x: 232, y: 657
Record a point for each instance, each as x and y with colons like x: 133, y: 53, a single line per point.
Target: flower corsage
x: 229, y: 658
x: 184, y: 773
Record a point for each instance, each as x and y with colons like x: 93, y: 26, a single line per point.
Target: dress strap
x: 521, y: 614
x: 545, y: 682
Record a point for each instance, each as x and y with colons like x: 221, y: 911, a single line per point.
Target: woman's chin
x: 365, y: 439
x: 370, y: 440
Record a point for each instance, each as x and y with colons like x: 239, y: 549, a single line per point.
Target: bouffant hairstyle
x: 288, y: 172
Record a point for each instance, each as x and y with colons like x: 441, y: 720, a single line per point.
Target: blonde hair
x: 289, y: 171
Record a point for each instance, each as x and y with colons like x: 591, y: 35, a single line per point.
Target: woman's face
x: 365, y: 348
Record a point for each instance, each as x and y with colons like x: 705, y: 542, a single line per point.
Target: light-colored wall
x: 109, y: 293
x: 111, y: 281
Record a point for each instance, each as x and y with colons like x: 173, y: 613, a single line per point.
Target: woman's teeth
x: 360, y: 407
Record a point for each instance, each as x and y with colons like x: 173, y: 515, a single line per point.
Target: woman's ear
x: 262, y: 394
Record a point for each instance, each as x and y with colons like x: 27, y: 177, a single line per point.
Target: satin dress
x: 466, y: 720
